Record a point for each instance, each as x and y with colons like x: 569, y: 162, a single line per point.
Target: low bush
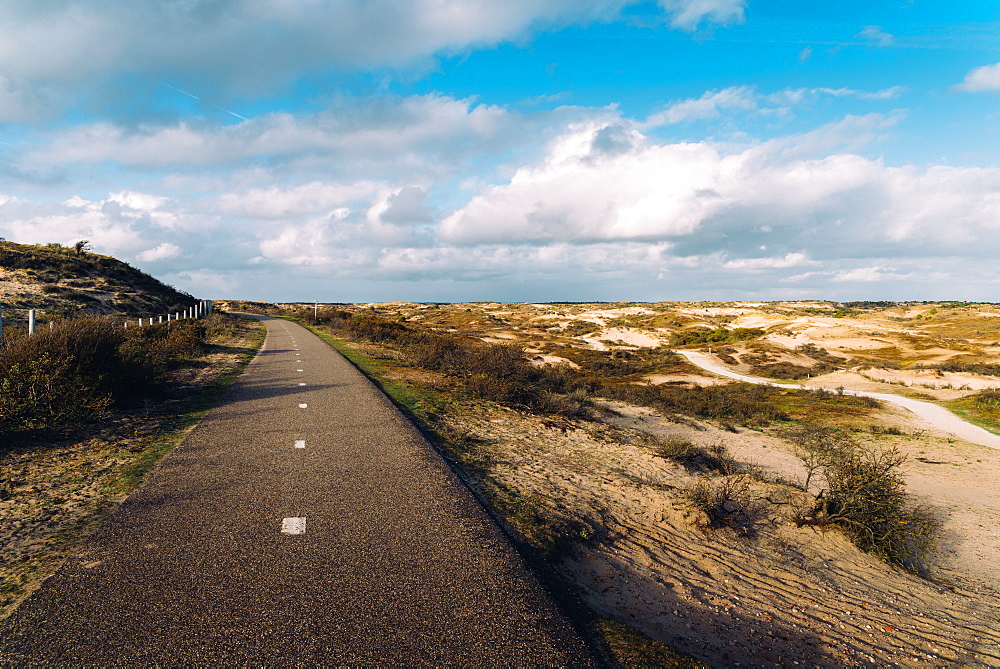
x: 784, y: 370
x: 865, y: 495
x: 867, y: 499
x: 743, y: 403
x: 75, y: 370
x: 728, y: 502
x: 696, y: 458
x: 721, y: 334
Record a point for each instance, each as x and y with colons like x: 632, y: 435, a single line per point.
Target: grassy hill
x: 61, y: 282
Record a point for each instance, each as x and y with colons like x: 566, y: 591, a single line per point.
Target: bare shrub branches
x: 866, y: 497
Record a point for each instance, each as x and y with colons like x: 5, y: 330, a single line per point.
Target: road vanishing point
x: 304, y: 521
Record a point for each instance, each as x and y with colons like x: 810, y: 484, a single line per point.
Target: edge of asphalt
x: 579, y: 615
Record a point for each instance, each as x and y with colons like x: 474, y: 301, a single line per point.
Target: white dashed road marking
x: 302, y: 384
x: 303, y: 406
x: 293, y: 525
x: 300, y: 370
x: 301, y: 443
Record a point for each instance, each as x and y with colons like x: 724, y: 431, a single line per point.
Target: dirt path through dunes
x: 934, y: 415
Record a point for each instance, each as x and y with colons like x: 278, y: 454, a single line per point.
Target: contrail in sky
x: 182, y: 92
x: 191, y: 95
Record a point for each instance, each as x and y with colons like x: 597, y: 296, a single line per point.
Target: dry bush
x: 728, y: 502
x: 695, y: 458
x: 867, y: 498
x: 865, y: 495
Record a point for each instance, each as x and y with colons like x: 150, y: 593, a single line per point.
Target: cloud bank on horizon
x: 355, y: 150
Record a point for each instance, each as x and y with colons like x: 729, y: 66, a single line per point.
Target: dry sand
x: 783, y: 597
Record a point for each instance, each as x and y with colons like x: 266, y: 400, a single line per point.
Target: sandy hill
x: 60, y: 282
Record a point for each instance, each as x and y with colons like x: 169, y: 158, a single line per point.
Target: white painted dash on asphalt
x: 300, y: 370
x: 293, y: 525
x: 300, y: 443
x: 303, y: 406
x: 302, y: 384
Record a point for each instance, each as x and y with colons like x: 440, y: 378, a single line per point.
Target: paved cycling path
x: 303, y: 521
x: 935, y: 415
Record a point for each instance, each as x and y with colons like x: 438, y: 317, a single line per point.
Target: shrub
x: 728, y: 502
x: 867, y: 499
x: 80, y: 367
x: 696, y: 458
x: 721, y: 334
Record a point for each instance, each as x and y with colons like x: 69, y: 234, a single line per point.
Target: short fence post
x: 161, y: 319
x: 31, y: 321
x: 1, y: 324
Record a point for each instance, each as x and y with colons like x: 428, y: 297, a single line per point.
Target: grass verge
x: 982, y: 409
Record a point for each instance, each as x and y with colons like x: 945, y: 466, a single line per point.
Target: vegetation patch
x: 700, y: 336
x: 863, y: 493
x: 637, y: 651
x: 982, y: 409
x: 59, y: 480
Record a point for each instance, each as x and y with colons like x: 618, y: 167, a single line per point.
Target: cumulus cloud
x: 54, y: 50
x: 703, y: 195
x: 161, y: 251
x: 981, y: 79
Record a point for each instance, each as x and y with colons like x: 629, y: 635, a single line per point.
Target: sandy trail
x: 937, y: 416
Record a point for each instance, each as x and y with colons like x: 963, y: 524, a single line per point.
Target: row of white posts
x: 200, y: 310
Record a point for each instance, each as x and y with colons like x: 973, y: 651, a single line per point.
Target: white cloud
x: 375, y: 135
x: 709, y: 105
x: 52, y: 51
x: 985, y: 78
x: 876, y: 35
x: 689, y: 14
x: 730, y: 101
x: 869, y: 275
x: 162, y: 251
x: 788, y: 260
x: 820, y: 201
x: 280, y: 202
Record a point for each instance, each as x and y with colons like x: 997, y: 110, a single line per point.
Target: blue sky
x: 450, y: 150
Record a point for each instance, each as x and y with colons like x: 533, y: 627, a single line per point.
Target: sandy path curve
x: 935, y: 415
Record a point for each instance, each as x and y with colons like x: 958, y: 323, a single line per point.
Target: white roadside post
x: 1, y: 324
x: 31, y: 321
x: 315, y: 311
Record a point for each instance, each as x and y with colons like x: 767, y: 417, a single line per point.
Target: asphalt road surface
x: 304, y: 521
